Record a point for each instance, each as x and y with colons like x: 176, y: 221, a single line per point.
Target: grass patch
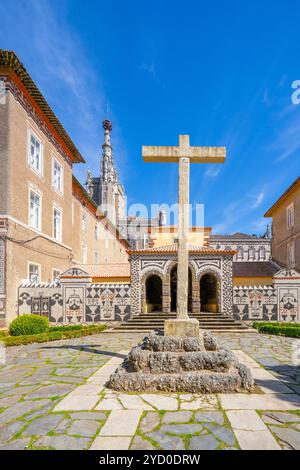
x: 54, y: 333
x: 278, y: 328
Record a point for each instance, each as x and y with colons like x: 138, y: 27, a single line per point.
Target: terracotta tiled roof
x: 106, y: 270
x: 10, y: 62
x: 254, y: 268
x: 173, y: 249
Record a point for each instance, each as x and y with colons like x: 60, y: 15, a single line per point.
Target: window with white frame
x: 55, y: 274
x: 35, y: 153
x: 240, y: 252
x: 251, y: 252
x: 96, y: 232
x: 84, y: 254
x: 34, y: 210
x: 57, y: 224
x: 57, y: 177
x: 96, y: 257
x: 291, y: 255
x: 262, y: 253
x: 290, y: 215
x: 34, y: 272
x: 84, y: 222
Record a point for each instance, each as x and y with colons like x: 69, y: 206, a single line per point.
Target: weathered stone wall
x: 279, y: 301
x: 76, y: 302
x: 255, y: 303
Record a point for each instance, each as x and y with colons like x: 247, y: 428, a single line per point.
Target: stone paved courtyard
x: 52, y: 396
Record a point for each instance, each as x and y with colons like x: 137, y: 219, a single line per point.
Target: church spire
x: 108, y: 173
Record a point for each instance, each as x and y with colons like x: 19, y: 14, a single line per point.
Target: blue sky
x: 220, y: 71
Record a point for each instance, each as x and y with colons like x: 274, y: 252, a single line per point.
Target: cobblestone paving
x: 37, y: 377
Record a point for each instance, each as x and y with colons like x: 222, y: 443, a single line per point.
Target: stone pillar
x: 195, y: 296
x: 183, y: 325
x: 166, y: 295
x: 183, y: 230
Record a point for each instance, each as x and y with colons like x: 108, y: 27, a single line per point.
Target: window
x: 84, y: 254
x: 84, y: 222
x: 35, y: 153
x: 57, y: 180
x: 57, y: 224
x: 251, y: 253
x: 55, y: 274
x: 96, y: 257
x: 34, y: 274
x: 291, y: 255
x: 240, y: 252
x: 96, y: 232
x: 290, y: 215
x: 262, y: 253
x: 34, y: 210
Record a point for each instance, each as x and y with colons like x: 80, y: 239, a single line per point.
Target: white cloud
x: 258, y: 199
x: 65, y: 72
x: 212, y: 171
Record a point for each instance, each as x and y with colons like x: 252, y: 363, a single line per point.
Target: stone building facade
x: 153, y: 280
x: 48, y: 222
x: 285, y: 214
x: 247, y: 247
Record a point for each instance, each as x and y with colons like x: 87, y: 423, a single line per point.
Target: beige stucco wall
x: 19, y: 176
x: 282, y: 235
x: 3, y: 155
x: 110, y: 250
x: 253, y: 281
x: 166, y: 235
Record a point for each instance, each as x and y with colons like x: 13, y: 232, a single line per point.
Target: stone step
x: 146, y: 322
x: 126, y: 327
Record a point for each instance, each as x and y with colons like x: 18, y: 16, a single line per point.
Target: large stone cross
x: 184, y: 154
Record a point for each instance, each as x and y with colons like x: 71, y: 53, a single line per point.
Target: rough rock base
x: 181, y: 364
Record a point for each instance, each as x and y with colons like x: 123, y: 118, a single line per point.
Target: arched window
x: 262, y: 253
x: 240, y: 253
x: 251, y: 253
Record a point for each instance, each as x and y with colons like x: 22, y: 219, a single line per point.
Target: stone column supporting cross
x: 183, y: 154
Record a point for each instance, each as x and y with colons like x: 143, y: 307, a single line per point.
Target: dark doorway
x: 208, y: 293
x: 154, y: 293
x: 173, y: 289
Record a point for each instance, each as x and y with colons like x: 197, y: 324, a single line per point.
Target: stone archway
x: 153, y: 288
x: 153, y: 284
x: 173, y: 289
x: 209, y: 292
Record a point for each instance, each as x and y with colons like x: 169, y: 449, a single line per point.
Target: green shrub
x: 28, y: 325
x: 278, y: 328
x: 66, y: 328
x: 53, y: 335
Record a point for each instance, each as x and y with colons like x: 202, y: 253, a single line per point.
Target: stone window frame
x: 59, y: 190
x: 32, y: 263
x: 291, y: 254
x: 33, y: 189
x: 84, y: 253
x: 290, y: 216
x: 32, y: 133
x: 59, y: 271
x: 84, y: 221
x: 56, y: 208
